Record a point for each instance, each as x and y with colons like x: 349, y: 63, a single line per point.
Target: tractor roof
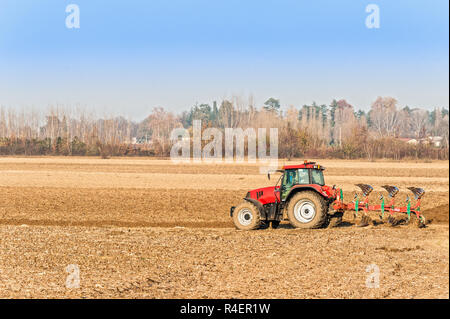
x: 306, y: 164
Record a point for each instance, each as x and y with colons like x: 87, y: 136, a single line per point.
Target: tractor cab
x: 300, y: 176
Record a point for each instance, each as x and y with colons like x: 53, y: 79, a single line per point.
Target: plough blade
x: 397, y: 221
x: 392, y: 221
x: 418, y: 192
x: 365, y: 188
x: 421, y: 222
x: 392, y: 190
x: 365, y: 221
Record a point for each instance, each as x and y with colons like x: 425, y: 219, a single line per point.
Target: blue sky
x: 130, y: 56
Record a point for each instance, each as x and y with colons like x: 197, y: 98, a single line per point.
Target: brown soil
x: 144, y: 228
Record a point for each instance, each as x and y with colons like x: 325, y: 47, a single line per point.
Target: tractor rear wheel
x: 246, y: 216
x: 307, y: 209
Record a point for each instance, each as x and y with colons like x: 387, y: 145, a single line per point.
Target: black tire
x: 246, y: 216
x: 307, y: 209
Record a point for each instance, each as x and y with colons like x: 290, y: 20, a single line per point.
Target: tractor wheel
x: 307, y: 209
x: 246, y: 216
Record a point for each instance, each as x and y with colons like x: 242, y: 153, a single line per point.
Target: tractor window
x: 303, y: 176
x: 296, y: 177
x: 317, y: 177
x: 290, y: 178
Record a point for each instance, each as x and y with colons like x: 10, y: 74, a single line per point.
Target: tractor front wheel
x: 246, y: 216
x: 307, y: 209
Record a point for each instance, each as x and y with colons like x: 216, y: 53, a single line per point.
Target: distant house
x: 408, y: 140
x: 436, y: 141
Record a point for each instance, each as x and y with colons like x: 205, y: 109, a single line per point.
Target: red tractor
x: 301, y: 195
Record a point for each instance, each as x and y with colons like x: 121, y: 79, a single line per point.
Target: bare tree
x: 418, y: 121
x: 385, y: 117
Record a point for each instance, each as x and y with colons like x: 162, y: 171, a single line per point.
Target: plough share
x: 390, y: 208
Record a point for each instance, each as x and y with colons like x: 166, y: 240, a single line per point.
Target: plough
x: 390, y: 208
x: 301, y: 196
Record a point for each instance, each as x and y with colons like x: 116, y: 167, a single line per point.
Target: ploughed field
x: 153, y: 229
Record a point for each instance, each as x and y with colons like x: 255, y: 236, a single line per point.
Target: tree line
x: 336, y: 130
